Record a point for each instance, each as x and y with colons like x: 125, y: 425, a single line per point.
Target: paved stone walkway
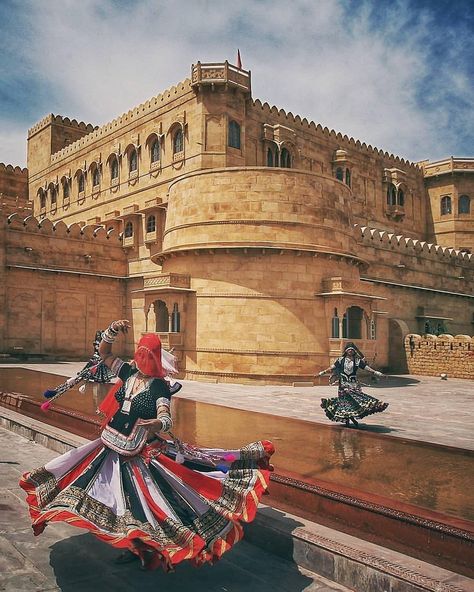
x: 420, y: 407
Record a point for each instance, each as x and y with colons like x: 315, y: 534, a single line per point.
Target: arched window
x: 400, y: 198
x: 128, y: 233
x: 285, y: 159
x: 80, y: 182
x: 155, y: 151
x: 339, y: 174
x: 175, y: 319
x: 354, y: 316
x: 114, y: 168
x: 234, y: 134
x: 54, y: 195
x: 96, y: 177
x: 178, y: 141
x: 66, y: 189
x: 151, y: 223
x: 162, y: 317
x: 132, y: 161
x: 348, y: 177
x: 464, y: 206
x: 335, y: 325
x: 446, y: 205
x: 391, y: 195
x: 270, y: 159
x: 42, y: 199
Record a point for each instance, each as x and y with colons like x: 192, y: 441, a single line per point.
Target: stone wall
x: 431, y: 355
x: 58, y: 285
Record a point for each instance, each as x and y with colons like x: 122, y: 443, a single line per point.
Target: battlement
x: 124, y: 119
x: 93, y: 232
x: 343, y: 140
x: 59, y: 119
x: 411, y: 246
x: 16, y: 170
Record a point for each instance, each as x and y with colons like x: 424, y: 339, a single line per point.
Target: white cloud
x: 322, y: 60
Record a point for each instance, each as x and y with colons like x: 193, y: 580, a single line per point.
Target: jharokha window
x: 54, y: 196
x: 151, y: 223
x: 155, y: 151
x: 391, y: 195
x: 446, y: 207
x: 80, y: 182
x: 95, y: 177
x: 464, y: 206
x: 234, y: 134
x: 133, y: 161
x: 285, y: 159
x: 178, y: 141
x: 128, y: 233
x: 42, y: 199
x: 348, y: 177
x: 114, y: 168
x: 66, y: 191
x: 339, y: 174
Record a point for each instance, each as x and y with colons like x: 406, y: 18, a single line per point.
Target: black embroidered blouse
x: 143, y: 405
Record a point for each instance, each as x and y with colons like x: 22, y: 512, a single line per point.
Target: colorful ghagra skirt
x: 351, y: 402
x: 162, y: 510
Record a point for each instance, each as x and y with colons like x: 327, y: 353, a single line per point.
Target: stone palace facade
x: 254, y: 242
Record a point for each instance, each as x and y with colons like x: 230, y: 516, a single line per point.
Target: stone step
x: 358, y: 564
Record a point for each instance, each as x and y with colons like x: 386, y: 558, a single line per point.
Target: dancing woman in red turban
x: 156, y: 498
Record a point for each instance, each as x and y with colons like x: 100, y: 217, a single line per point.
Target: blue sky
x: 398, y: 74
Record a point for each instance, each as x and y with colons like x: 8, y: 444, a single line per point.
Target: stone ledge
x: 347, y: 560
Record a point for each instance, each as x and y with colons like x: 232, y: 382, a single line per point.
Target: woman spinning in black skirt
x: 351, y: 403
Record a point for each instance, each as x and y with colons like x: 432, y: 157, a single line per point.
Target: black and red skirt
x: 162, y: 510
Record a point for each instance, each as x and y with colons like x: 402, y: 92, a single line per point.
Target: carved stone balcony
x: 220, y: 74
x: 395, y: 212
x: 168, y: 282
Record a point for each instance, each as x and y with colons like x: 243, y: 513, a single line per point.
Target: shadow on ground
x: 82, y: 563
x: 391, y: 381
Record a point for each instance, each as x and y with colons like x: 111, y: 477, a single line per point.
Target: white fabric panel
x: 107, y: 485
x: 157, y: 496
x: 143, y: 502
x: 63, y: 464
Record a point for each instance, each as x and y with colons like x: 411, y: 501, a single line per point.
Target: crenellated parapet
x: 432, y: 355
x: 343, y: 140
x: 382, y: 239
x: 60, y: 120
x: 30, y: 224
x: 114, y: 126
x: 15, y: 170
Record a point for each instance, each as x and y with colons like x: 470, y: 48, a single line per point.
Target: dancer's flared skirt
x: 161, y: 510
x: 351, y: 403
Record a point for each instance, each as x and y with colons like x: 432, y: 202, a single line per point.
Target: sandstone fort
x: 256, y: 243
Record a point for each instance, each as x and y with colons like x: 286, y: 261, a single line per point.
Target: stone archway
x: 397, y: 360
x: 162, y: 317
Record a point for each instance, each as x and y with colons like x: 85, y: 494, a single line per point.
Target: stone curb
x: 342, y: 558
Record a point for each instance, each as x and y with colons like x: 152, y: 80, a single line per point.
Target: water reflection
x: 430, y: 476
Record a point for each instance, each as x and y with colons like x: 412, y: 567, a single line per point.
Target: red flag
x: 239, y: 61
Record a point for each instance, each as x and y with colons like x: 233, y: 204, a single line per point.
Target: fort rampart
x: 431, y: 355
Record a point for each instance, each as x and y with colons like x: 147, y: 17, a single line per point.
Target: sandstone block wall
x: 57, y: 287
x: 431, y: 355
